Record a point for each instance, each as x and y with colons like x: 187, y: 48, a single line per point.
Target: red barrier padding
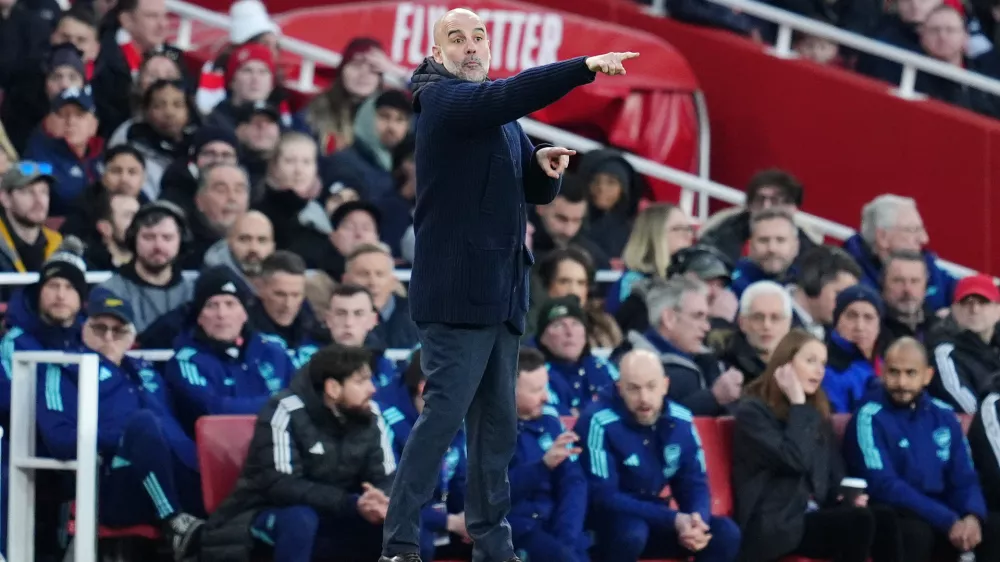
x: 222, y: 449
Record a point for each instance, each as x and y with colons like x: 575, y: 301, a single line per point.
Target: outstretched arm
x: 479, y: 105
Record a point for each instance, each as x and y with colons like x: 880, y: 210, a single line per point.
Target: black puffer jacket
x: 965, y: 366
x: 353, y: 451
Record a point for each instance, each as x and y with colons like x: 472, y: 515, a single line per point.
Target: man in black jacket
x: 317, y: 471
x: 476, y: 173
x: 966, y: 346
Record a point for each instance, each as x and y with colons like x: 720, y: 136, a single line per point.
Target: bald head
x: 251, y: 239
x: 906, y: 372
x: 461, y: 45
x: 639, y: 363
x: 643, y: 385
x: 907, y: 346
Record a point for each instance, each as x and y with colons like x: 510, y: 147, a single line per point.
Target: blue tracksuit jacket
x: 205, y: 382
x: 123, y: 390
x: 577, y: 384
x: 628, y: 465
x: 940, y: 284
x: 915, y: 458
x: 555, y: 499
x: 621, y: 289
x: 28, y: 332
x: 849, y: 375
x: 399, y: 415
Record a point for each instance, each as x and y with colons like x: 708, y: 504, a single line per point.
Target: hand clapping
x: 610, y: 63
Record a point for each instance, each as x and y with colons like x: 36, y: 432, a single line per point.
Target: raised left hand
x: 554, y: 160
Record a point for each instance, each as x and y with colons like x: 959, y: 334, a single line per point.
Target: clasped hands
x: 966, y: 533
x: 692, y: 531
x: 373, y: 504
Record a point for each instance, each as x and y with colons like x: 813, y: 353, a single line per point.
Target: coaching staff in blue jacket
x: 910, y: 449
x: 476, y: 173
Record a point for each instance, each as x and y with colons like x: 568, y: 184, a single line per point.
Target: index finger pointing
x: 628, y: 55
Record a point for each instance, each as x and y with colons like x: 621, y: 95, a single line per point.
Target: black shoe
x: 183, y: 532
x: 408, y: 557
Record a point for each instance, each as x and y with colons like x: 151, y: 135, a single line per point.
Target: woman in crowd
x: 660, y: 231
x: 169, y: 119
x: 330, y: 115
x: 787, y: 468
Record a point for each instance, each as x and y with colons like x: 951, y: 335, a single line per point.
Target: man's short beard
x: 23, y: 220
x: 154, y: 269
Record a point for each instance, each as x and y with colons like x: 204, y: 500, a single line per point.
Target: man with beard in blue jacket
x: 143, y: 447
x: 910, y: 449
x: 548, y: 490
x: 637, y: 442
x: 223, y: 366
x: 443, y: 519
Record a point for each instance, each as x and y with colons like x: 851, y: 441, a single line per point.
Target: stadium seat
x: 222, y: 449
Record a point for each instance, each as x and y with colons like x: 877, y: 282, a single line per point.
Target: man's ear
x: 437, y: 53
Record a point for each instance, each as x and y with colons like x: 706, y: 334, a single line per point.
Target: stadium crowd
x: 116, y: 158
x: 960, y: 33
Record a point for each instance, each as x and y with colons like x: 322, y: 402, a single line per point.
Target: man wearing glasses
x: 149, y: 469
x: 25, y: 241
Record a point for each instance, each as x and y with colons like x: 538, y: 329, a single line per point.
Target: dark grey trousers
x: 471, y: 374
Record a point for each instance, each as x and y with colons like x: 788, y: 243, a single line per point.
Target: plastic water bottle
x: 967, y: 557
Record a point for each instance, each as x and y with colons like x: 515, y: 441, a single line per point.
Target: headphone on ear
x: 682, y: 261
x: 159, y: 207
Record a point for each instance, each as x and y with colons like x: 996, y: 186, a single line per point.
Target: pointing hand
x: 554, y: 160
x: 610, y: 63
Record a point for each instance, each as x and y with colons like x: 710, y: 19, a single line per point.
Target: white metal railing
x: 24, y: 463
x: 789, y: 22
x: 690, y: 183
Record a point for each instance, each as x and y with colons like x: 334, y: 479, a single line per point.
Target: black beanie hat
x: 67, y: 262
x: 856, y: 293
x: 208, y: 134
x: 218, y: 280
x: 556, y: 309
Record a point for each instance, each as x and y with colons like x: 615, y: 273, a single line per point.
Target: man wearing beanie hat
x: 851, y: 365
x: 222, y: 365
x: 966, y: 346
x: 46, y: 315
x: 370, y: 156
x: 209, y: 146
x: 150, y: 473
x: 576, y: 376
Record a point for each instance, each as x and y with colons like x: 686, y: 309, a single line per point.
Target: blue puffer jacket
x: 914, y: 458
x: 849, y: 375
x: 73, y: 174
x: 205, y: 380
x: 574, y: 385
x: 747, y: 272
x: 940, y: 284
x: 555, y: 499
x: 122, y: 391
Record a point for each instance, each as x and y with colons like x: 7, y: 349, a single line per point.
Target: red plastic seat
x: 717, y: 443
x: 222, y: 449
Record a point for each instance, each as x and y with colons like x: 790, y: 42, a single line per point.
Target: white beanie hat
x: 248, y: 19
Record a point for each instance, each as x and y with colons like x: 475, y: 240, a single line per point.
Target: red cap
x: 980, y: 285
x: 247, y: 53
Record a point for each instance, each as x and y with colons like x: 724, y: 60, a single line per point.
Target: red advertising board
x: 657, y: 88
